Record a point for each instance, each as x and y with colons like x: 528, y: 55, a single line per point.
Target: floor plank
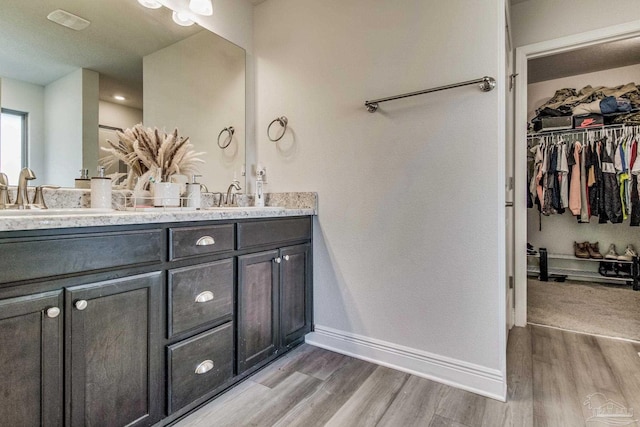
x: 319, y: 407
x: 555, y: 398
x: 461, y: 406
x: 520, y: 377
x: 414, y: 405
x: 369, y: 403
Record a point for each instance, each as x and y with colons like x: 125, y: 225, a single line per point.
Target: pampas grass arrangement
x: 150, y: 153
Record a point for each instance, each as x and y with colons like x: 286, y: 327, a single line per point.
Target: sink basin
x: 52, y: 212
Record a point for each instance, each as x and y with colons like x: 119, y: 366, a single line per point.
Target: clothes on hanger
x: 593, y: 173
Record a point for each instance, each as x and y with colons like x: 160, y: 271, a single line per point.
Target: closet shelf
x: 543, y: 270
x: 580, y: 274
x: 575, y: 258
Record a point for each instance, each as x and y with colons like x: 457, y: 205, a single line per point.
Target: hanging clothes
x: 575, y: 195
x: 612, y: 201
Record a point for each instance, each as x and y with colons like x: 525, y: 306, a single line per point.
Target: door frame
x: 523, y: 54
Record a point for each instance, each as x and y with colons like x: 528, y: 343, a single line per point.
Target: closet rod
x: 565, y: 131
x: 486, y: 84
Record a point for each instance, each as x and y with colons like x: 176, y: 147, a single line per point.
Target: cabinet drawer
x: 200, y: 294
x: 258, y: 233
x: 199, y: 365
x: 193, y: 241
x: 32, y: 258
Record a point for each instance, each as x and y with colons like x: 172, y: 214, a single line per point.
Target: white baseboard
x: 456, y: 373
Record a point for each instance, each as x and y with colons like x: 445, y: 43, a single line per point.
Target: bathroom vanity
x: 137, y: 319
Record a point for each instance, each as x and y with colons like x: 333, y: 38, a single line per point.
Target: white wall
x: 118, y: 116
x: 29, y: 98
x: 560, y: 231
x: 537, y: 20
x: 67, y: 126
x: 409, y: 243
x: 198, y: 86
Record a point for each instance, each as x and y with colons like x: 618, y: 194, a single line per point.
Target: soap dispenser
x: 101, y: 190
x: 259, y: 196
x: 83, y: 181
x: 193, y: 194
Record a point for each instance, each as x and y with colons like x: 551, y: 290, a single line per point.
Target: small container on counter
x: 101, y: 190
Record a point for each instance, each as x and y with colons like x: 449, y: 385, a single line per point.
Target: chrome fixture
x: 231, y: 197
x: 486, y: 84
x: 22, y: 200
x: 283, y: 121
x: 38, y: 198
x: 4, y: 191
x: 230, y: 130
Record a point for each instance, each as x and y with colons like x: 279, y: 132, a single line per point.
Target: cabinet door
x: 113, y: 337
x: 258, y: 277
x: 295, y: 293
x: 31, y: 360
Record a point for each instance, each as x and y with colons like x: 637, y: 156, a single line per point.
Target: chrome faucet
x: 22, y: 200
x: 4, y: 191
x: 235, y: 184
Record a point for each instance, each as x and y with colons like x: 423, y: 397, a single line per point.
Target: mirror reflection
x: 66, y: 82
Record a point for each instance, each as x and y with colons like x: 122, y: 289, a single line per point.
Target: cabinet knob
x: 53, y: 312
x: 277, y: 260
x: 204, y: 367
x: 286, y: 257
x: 81, y: 304
x: 205, y: 241
x: 204, y: 296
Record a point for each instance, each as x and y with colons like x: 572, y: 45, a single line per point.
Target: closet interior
x: 583, y: 193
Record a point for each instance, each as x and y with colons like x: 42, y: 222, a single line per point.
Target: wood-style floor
x: 551, y: 373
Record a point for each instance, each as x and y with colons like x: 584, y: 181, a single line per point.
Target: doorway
x: 523, y: 55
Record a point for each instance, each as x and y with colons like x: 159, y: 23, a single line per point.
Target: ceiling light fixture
x: 68, y: 20
x: 182, y: 19
x: 119, y: 97
x: 151, y: 4
x: 201, y: 7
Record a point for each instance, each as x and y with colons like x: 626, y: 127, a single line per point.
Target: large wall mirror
x: 170, y: 77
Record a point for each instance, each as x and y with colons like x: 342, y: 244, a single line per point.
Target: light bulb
x: 151, y: 4
x: 182, y: 19
x: 201, y: 7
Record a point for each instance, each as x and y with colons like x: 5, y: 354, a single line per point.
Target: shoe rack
x: 558, y: 273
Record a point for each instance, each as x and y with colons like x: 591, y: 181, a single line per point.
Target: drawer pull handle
x: 204, y: 367
x: 53, y: 312
x: 277, y: 260
x: 286, y: 257
x: 81, y: 304
x: 205, y: 241
x: 204, y: 296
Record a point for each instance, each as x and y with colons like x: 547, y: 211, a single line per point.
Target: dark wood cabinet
x: 274, y: 302
x: 138, y: 325
x: 258, y: 279
x: 295, y: 293
x: 31, y: 360
x: 114, y: 366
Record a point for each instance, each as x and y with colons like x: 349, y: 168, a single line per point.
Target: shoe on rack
x: 531, y: 250
x: 629, y: 254
x: 580, y: 250
x: 611, y: 253
x: 594, y: 250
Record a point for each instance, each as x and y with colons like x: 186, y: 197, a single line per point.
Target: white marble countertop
x: 43, y: 220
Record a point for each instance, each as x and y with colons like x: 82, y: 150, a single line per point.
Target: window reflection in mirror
x: 13, y: 143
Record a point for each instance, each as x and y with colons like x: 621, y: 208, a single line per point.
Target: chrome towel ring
x: 230, y: 130
x: 283, y: 121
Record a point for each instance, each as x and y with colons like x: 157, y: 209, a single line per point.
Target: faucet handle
x: 38, y: 198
